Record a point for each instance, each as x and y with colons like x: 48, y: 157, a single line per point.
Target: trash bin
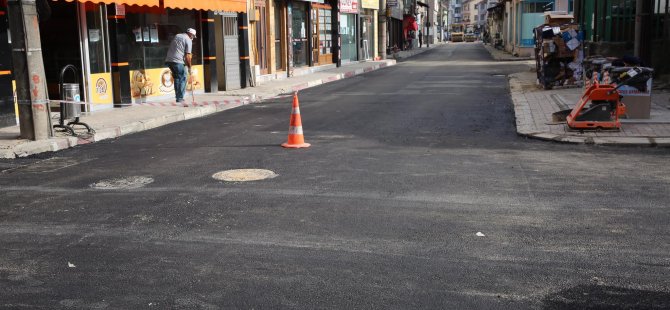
x: 69, y: 109
x: 70, y: 92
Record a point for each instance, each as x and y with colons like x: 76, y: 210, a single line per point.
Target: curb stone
x: 525, y: 126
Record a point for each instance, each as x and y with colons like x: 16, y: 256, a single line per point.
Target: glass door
x: 315, y: 36
x: 96, y: 64
x: 325, y: 36
x: 261, y: 37
x: 322, y: 38
x: 280, y: 59
x: 300, y: 41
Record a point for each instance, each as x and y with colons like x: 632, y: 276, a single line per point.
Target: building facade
x: 119, y: 49
x: 610, y: 28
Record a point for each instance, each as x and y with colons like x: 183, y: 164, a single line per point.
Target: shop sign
x: 100, y: 88
x: 372, y: 4
x: 392, y: 3
x: 120, y: 9
x: 159, y: 82
x: 349, y: 6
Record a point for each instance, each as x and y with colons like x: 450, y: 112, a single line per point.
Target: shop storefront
x: 259, y: 32
x: 395, y: 38
x: 279, y: 39
x: 312, y: 32
x: 321, y: 19
x: 120, y: 48
x: 151, y: 31
x: 368, y: 29
x: 349, y: 30
x: 300, y: 45
x: 367, y: 46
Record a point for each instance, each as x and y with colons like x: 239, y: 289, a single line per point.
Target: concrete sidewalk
x: 117, y: 122
x: 533, y: 108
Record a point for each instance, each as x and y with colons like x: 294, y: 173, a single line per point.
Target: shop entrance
x: 261, y: 51
x: 60, y: 43
x: 299, y: 39
x: 95, y: 50
x: 348, y: 37
x: 229, y: 55
x: 322, y: 39
x: 280, y: 25
x: 367, y: 37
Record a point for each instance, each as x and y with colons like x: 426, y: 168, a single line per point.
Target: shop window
x: 537, y: 6
x: 96, y: 28
x: 151, y: 34
x: 325, y: 31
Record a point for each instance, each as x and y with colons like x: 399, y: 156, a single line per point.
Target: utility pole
x: 383, y: 22
x: 31, y: 91
x: 429, y: 24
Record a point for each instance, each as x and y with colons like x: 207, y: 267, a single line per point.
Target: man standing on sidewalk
x: 178, y: 55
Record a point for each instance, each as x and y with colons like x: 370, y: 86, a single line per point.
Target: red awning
x: 127, y: 2
x: 208, y: 5
x: 205, y: 5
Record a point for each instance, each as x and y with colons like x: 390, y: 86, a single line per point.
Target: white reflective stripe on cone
x: 295, y: 111
x: 297, y: 130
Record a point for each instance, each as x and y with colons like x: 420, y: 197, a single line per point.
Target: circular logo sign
x: 101, y: 86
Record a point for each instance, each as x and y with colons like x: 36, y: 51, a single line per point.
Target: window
x: 97, y: 37
x: 325, y: 37
x: 537, y: 6
x: 151, y: 34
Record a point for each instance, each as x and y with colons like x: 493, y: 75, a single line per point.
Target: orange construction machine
x: 605, y: 104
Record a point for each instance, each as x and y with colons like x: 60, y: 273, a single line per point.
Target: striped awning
x: 127, y: 2
x: 208, y: 5
x: 205, y: 5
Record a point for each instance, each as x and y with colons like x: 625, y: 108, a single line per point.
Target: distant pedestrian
x: 178, y: 55
x: 420, y: 38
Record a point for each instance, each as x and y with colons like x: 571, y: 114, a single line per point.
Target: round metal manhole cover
x: 123, y: 183
x: 244, y: 175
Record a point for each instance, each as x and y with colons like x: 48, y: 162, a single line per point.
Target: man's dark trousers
x: 179, y: 77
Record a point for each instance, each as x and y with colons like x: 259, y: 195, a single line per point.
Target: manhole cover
x: 123, y: 183
x: 244, y: 175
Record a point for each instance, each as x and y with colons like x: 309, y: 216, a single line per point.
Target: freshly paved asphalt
x: 407, y: 165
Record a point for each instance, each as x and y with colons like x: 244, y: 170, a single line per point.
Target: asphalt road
x: 407, y: 165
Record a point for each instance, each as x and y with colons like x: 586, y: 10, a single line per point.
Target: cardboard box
x: 638, y: 106
x: 638, y: 103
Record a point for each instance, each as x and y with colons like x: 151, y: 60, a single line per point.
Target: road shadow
x: 606, y: 297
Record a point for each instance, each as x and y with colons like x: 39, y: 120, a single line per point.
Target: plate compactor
x: 606, y: 106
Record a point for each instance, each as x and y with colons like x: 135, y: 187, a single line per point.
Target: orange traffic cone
x: 295, y: 137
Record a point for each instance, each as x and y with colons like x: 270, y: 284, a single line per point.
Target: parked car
x: 470, y: 37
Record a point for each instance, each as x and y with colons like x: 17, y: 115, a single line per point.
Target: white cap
x: 191, y: 31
